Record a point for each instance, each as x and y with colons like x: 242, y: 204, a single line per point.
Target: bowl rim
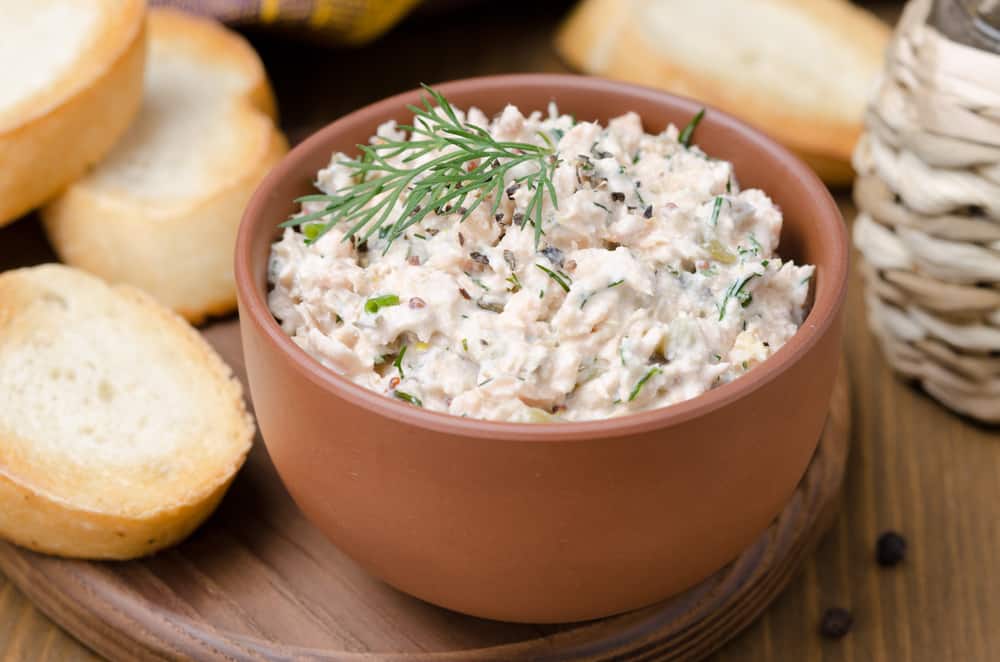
x: 829, y: 295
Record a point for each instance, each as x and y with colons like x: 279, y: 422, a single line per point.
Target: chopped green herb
x: 716, y: 208
x: 541, y: 294
x: 616, y: 283
x: 635, y: 159
x: 621, y: 350
x: 746, y: 366
x: 688, y: 132
x: 558, y: 278
x: 476, y: 281
x: 374, y: 304
x: 598, y: 204
x: 616, y: 401
x: 764, y: 263
x: 485, y: 382
x: 398, y: 363
x: 717, y: 357
x: 515, y: 283
x: 312, y: 231
x: 642, y: 382
x: 729, y: 185
x: 806, y: 280
x: 465, y: 344
x: 757, y: 248
x: 406, y: 397
x: 559, y: 133
x: 736, y: 290
x: 419, y: 236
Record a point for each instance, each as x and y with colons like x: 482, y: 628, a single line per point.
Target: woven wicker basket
x: 928, y: 191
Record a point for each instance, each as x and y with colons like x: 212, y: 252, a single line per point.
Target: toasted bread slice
x: 161, y: 211
x: 70, y: 84
x: 801, y: 70
x: 120, y: 427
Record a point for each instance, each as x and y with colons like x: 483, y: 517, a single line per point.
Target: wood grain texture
x: 258, y: 582
x: 913, y: 466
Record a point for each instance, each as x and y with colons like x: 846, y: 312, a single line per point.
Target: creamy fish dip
x: 656, y: 280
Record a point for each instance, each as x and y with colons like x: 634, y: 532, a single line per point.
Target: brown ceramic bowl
x: 547, y: 522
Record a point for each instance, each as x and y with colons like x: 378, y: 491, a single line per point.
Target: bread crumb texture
x: 161, y: 212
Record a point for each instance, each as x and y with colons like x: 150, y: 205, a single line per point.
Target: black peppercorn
x: 836, y: 622
x: 890, y: 549
x: 617, y: 196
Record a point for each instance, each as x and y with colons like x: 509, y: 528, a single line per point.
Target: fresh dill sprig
x: 716, y: 208
x: 398, y: 363
x: 559, y: 278
x: 687, y: 133
x: 737, y: 291
x: 447, y: 166
x: 642, y: 382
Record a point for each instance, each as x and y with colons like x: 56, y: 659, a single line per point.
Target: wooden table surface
x: 914, y: 467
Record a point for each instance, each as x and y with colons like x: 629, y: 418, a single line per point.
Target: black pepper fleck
x: 554, y: 255
x: 476, y: 256
x: 461, y: 239
x: 510, y: 259
x: 511, y: 190
x: 890, y: 549
x: 617, y: 196
x: 648, y: 213
x: 836, y: 622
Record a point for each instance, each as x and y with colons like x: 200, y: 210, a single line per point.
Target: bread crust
x: 52, y: 137
x: 47, y: 521
x: 600, y: 38
x: 178, y: 250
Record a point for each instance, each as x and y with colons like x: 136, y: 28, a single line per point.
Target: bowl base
x: 258, y: 581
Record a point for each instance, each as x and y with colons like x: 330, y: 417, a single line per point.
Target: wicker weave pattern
x: 928, y: 190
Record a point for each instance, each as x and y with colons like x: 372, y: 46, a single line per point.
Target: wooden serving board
x: 258, y: 582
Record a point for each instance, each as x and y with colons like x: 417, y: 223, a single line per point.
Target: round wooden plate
x: 258, y: 582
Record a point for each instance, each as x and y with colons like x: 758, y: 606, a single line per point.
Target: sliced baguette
x: 161, y: 212
x: 120, y: 427
x: 801, y: 70
x: 70, y: 84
